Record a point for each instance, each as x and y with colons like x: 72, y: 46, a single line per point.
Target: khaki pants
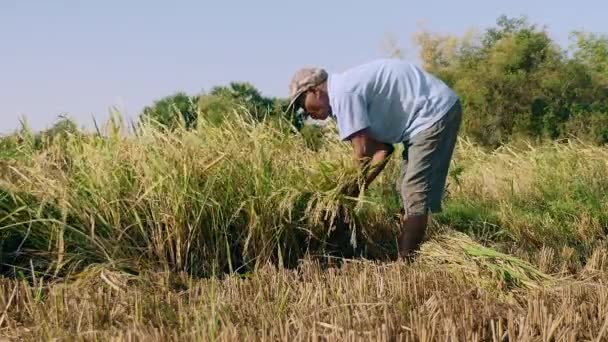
x: 426, y: 160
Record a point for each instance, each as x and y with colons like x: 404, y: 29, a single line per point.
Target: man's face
x: 316, y: 103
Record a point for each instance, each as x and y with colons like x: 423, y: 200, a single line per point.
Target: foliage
x: 172, y: 111
x: 237, y: 97
x: 243, y: 95
x: 591, y: 50
x: 514, y: 81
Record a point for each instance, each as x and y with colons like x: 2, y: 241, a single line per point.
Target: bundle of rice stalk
x: 330, y: 199
x: 494, y: 270
x: 334, y: 210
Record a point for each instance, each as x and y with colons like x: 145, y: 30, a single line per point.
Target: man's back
x: 394, y: 98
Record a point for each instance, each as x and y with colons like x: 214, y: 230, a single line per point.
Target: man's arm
x: 372, y: 155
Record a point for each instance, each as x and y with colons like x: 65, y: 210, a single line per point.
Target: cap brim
x: 294, y: 99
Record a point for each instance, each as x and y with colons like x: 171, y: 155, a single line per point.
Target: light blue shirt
x: 393, y: 98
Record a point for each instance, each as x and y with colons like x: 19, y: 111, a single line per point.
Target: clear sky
x: 84, y: 57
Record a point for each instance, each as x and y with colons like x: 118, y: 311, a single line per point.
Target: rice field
x: 228, y: 232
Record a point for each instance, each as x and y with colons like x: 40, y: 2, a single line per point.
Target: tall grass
x: 109, y: 235
x: 203, y: 201
x: 232, y: 195
x: 532, y: 197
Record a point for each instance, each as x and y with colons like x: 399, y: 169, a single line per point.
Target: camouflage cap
x: 303, y: 80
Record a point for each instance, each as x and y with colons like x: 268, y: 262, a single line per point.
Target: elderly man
x: 386, y: 102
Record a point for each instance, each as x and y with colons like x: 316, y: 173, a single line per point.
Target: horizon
x: 84, y: 60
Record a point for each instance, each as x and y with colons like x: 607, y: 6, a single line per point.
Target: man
x: 386, y: 102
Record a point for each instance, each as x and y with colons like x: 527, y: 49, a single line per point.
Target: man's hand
x: 372, y: 155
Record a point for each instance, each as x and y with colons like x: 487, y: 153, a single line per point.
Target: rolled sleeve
x: 351, y: 114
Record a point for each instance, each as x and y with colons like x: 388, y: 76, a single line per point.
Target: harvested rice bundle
x: 461, y: 254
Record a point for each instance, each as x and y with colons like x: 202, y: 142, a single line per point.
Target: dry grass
x: 361, y: 300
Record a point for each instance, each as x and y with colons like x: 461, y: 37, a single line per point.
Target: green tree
x: 591, y: 50
x: 172, y: 111
x: 238, y: 95
x: 514, y: 81
x: 242, y: 97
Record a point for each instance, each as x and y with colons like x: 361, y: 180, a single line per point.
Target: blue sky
x: 83, y: 57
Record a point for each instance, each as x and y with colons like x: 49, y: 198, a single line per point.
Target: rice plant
x: 221, y: 232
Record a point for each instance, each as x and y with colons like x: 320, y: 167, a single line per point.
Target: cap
x: 303, y: 80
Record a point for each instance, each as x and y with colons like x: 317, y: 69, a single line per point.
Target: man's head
x: 308, y: 90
